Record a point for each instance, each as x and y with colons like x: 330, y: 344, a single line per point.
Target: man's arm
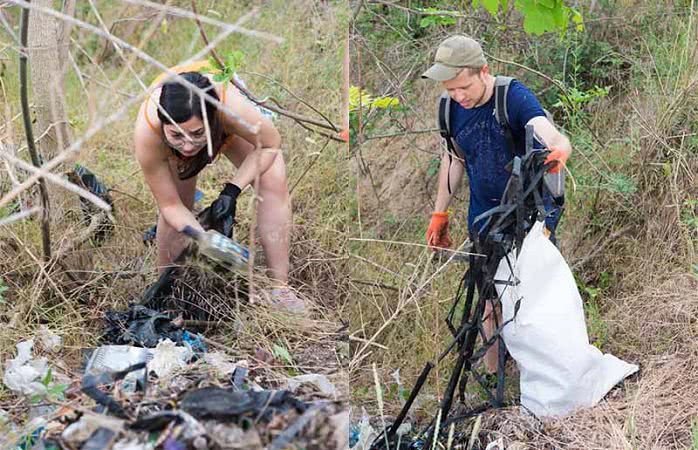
x: 456, y: 169
x: 549, y: 136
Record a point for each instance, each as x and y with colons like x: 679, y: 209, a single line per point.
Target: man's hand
x: 559, y: 157
x: 220, y: 215
x: 437, y: 233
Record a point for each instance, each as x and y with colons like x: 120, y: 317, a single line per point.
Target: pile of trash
x: 162, y: 388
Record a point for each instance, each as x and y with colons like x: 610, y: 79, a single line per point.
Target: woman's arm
x: 156, y: 170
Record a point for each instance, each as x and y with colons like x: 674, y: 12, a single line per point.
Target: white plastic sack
x: 23, y: 374
x: 560, y: 370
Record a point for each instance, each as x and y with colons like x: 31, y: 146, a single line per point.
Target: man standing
x: 482, y: 146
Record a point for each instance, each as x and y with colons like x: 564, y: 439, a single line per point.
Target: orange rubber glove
x: 557, y: 155
x: 344, y: 134
x: 437, y: 233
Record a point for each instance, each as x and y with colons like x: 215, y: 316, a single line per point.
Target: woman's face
x: 191, y: 142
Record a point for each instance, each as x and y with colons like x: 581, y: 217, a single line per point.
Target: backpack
x: 556, y: 182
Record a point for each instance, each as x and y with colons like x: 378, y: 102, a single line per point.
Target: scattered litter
x: 156, y: 386
x: 80, y: 431
x: 83, y: 177
x: 91, y: 383
x: 221, y: 363
x: 195, y: 341
x: 133, y: 445
x: 24, y: 374
x: 186, y: 412
x: 223, y: 404
x: 49, y: 340
x: 364, y: 433
x: 168, y: 357
x: 318, y: 380
x: 141, y: 326
x: 115, y: 358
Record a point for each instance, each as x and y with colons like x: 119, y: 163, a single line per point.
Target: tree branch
x: 44, y: 174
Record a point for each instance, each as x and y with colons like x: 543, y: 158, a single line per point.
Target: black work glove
x: 220, y: 216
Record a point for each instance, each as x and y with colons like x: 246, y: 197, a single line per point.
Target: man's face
x: 466, y: 89
x: 190, y: 143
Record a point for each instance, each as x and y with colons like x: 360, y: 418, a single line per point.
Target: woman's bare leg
x: 273, y: 211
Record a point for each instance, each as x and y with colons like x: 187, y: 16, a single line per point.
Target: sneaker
x: 284, y: 298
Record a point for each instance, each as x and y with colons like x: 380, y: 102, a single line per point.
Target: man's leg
x: 171, y: 242
x: 492, y: 354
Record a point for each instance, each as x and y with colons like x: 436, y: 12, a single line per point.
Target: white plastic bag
x: 560, y: 370
x: 169, y: 357
x: 23, y: 374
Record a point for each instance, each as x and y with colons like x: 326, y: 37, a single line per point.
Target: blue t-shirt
x: 481, y: 137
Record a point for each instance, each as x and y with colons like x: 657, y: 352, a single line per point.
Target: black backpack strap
x: 444, y: 123
x: 501, y: 90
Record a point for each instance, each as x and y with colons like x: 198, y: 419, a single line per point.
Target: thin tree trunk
x: 46, y: 46
x: 45, y: 215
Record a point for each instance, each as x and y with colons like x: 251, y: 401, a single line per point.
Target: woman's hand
x: 220, y: 216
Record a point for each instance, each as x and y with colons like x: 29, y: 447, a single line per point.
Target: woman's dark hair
x: 182, y: 103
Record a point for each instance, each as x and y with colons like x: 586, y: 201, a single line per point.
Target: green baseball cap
x: 453, y: 55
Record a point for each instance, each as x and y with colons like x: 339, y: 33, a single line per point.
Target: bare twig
x: 289, y: 91
x: 96, y: 221
x: 400, y: 133
x: 44, y: 173
x: 307, y: 169
x: 19, y: 216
